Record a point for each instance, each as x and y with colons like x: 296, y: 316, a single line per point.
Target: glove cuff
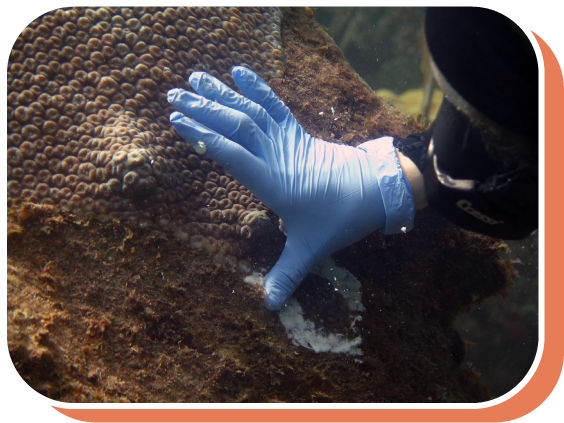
x: 394, y: 187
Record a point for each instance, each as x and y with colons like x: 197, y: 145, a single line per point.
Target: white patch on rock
x: 303, y: 333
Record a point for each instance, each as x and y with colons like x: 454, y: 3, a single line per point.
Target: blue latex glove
x: 328, y: 195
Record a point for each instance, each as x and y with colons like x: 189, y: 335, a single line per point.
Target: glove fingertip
x: 241, y: 71
x: 194, y: 79
x: 171, y: 94
x: 243, y: 75
x: 279, y: 289
x: 175, y: 116
x: 274, y: 302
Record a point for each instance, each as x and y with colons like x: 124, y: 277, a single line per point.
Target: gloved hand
x: 328, y: 195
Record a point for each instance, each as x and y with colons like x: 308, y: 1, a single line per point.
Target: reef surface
x: 110, y: 310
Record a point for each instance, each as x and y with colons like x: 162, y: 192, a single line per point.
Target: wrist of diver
x: 415, y: 179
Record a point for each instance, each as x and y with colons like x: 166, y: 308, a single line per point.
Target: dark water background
x: 386, y: 47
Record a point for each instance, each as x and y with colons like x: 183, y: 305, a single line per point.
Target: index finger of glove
x: 231, y: 123
x: 254, y: 88
x: 213, y: 89
x: 231, y: 156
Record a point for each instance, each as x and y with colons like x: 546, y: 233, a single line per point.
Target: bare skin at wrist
x: 415, y: 179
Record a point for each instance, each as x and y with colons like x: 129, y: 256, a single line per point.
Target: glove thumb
x: 292, y: 267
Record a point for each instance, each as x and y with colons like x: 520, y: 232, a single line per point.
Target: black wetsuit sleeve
x: 415, y: 147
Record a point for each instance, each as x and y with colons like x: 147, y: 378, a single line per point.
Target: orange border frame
x: 530, y: 397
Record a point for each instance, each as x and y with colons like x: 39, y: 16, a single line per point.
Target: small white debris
x: 282, y: 227
x: 333, y: 111
x: 335, y: 118
x: 320, y: 113
x: 256, y: 279
x: 356, y: 319
x: 404, y: 229
x: 200, y: 148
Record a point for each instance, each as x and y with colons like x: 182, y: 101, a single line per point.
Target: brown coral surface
x: 112, y: 311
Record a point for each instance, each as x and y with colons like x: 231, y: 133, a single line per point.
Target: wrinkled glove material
x: 394, y: 187
x: 328, y: 195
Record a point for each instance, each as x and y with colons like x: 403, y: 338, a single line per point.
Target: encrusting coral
x: 88, y: 120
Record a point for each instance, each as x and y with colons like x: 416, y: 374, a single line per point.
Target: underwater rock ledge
x: 109, y: 311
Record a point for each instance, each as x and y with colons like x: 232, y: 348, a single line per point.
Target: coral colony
x: 88, y: 118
